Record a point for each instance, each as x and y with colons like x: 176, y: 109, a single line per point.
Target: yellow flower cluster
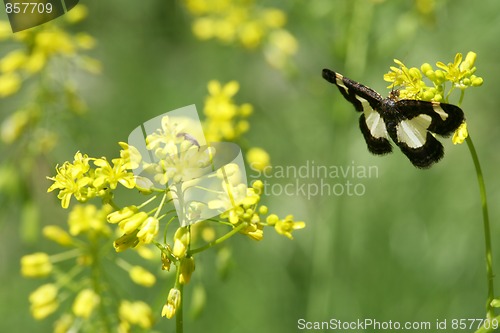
x: 244, y: 22
x: 224, y: 119
x: 411, y: 85
x: 47, y: 47
x: 78, y: 179
x: 241, y: 208
x: 88, y: 231
x: 410, y: 80
x: 227, y: 121
x: 174, y: 159
x: 38, y: 46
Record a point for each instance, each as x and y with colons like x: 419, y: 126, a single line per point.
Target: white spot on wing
x: 439, y: 110
x: 413, y: 132
x: 340, y: 83
x: 373, y: 120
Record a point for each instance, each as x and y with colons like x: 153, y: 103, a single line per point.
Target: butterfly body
x: 410, y: 124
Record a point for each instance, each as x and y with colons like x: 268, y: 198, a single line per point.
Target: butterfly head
x: 394, y: 95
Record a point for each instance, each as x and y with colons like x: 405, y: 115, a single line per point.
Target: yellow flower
x: 280, y: 47
x: 274, y: 18
x: 251, y: 34
x: 182, y: 238
x: 187, y: 268
x: 172, y: 304
x: 9, y: 84
x: 35, y: 62
x: 105, y: 174
x: 43, y: 301
x: 71, y: 180
x: 133, y: 222
x: 258, y: 158
x: 142, y: 277
x: 136, y: 313
x: 13, y: 61
x: 287, y: 225
x: 57, y: 234
x: 131, y: 155
x: 148, y: 231
x: 122, y: 214
x: 87, y: 218
x: 64, y: 323
x: 225, y: 120
x: 14, y: 126
x: 85, y: 302
x: 460, y: 134
x: 126, y: 241
x: 254, y: 230
x: 204, y: 28
x: 85, y: 41
x: 5, y: 30
x: 76, y: 14
x: 36, y: 265
x: 54, y: 41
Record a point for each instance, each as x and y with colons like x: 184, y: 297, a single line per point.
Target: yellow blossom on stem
x: 149, y: 229
x: 182, y: 239
x: 64, y: 323
x: 105, y: 174
x: 287, y: 225
x: 460, y: 134
x: 136, y: 313
x: 186, y: 269
x: 142, y: 277
x: 10, y: 83
x: 36, y: 265
x: 258, y: 158
x: 57, y: 234
x: 85, y: 302
x: 122, y: 214
x: 71, y: 179
x: 87, y: 218
x: 132, y: 223
x: 126, y: 241
x: 172, y: 304
x: 43, y: 301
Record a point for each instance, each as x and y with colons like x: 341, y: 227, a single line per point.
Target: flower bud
x: 130, y: 224
x: 187, y: 268
x: 142, y: 277
x: 182, y: 239
x: 121, y: 214
x: 85, y: 302
x: 36, y: 265
x: 57, y: 234
x: 173, y: 302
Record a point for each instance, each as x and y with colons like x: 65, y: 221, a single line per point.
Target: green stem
x: 179, y: 317
x: 97, y: 283
x: 218, y: 240
x: 486, y: 224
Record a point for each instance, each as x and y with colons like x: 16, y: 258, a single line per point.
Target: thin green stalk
x: 218, y: 240
x: 486, y: 224
x: 179, y: 318
x: 97, y: 284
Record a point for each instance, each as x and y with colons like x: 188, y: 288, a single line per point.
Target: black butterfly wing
x: 365, y: 100
x: 446, y: 118
x: 417, y: 120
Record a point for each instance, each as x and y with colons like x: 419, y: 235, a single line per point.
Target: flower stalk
x: 486, y: 225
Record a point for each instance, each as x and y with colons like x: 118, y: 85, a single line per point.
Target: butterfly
x: 411, y: 124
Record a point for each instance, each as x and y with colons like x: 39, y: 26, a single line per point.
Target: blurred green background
x: 410, y: 249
